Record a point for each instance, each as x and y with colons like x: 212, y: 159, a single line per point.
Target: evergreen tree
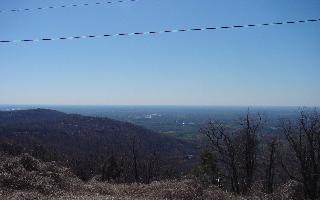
x: 110, y: 170
x: 208, y: 170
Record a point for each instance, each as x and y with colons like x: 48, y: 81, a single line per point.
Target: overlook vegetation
x: 24, y: 177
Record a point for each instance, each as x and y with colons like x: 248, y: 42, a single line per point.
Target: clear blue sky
x: 277, y: 65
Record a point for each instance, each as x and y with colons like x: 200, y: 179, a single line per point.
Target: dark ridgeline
x: 118, y: 151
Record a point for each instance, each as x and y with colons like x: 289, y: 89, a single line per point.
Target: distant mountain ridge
x: 29, y: 116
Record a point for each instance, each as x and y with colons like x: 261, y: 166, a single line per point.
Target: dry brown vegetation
x: 25, y: 177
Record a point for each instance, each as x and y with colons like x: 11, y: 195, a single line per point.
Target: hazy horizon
x: 159, y: 105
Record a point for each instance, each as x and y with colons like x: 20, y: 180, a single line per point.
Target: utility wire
x: 66, y: 6
x: 163, y: 31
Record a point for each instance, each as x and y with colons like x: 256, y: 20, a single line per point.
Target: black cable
x: 66, y: 6
x: 163, y: 31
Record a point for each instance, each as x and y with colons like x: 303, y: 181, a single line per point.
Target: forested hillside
x: 88, y: 145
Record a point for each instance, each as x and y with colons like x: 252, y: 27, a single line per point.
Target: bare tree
x: 304, y: 139
x: 134, y: 152
x: 270, y: 169
x: 223, y: 143
x: 250, y: 128
x: 237, y: 150
x: 151, y: 166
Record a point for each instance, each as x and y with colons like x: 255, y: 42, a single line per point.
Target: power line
x: 66, y: 6
x: 163, y: 31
